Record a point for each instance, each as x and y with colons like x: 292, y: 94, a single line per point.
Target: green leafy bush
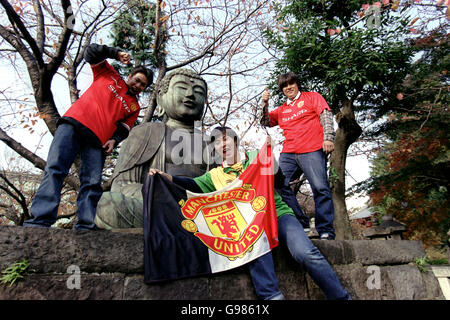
x: 14, y: 272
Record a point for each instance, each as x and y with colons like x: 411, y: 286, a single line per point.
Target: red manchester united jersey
x: 300, y: 121
x: 105, y: 103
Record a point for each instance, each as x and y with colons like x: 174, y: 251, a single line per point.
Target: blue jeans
x: 65, y: 146
x: 314, y: 166
x: 262, y: 272
x: 288, y: 196
x: 291, y: 233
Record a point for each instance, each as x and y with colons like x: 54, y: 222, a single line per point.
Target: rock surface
x: 111, y: 266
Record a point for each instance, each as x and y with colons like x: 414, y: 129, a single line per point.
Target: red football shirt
x: 300, y: 121
x: 105, y: 103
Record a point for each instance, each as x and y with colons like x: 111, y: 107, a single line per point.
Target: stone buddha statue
x: 174, y: 146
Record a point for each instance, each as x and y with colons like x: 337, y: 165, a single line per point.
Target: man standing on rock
x: 97, y: 122
x: 307, y: 124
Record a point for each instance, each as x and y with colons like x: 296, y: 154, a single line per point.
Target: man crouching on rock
x: 96, y: 123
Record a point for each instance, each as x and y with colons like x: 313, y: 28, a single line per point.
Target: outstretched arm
x: 96, y: 53
x: 152, y: 172
x: 187, y: 183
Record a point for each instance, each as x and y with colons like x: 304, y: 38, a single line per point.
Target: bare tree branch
x: 37, y: 161
x: 15, y: 19
x: 64, y: 38
x: 40, y: 25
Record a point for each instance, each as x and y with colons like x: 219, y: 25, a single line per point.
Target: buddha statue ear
x: 161, y: 110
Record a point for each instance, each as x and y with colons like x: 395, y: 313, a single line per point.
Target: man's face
x: 291, y: 90
x: 185, y: 99
x: 137, y: 83
x: 225, y: 147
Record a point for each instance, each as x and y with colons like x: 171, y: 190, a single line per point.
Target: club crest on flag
x: 228, y: 223
x: 225, y: 220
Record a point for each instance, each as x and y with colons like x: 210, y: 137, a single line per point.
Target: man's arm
x: 187, y: 183
x: 326, y: 120
x: 121, y: 133
x: 96, y: 53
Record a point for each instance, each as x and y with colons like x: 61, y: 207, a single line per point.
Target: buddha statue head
x: 182, y: 96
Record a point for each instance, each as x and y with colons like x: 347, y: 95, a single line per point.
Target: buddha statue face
x: 183, y: 98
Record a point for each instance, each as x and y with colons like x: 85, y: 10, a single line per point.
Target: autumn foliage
x: 409, y: 176
x: 413, y: 185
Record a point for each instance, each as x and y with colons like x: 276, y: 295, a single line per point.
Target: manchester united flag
x: 190, y: 234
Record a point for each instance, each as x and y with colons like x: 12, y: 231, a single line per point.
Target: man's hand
x: 109, y: 146
x: 269, y: 141
x: 328, y: 147
x: 124, y: 57
x: 265, y: 96
x: 152, y: 172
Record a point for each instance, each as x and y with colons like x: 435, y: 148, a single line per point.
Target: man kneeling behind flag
x: 188, y: 234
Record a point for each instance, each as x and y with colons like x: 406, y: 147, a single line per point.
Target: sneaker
x: 311, y: 233
x: 278, y: 296
x: 325, y: 236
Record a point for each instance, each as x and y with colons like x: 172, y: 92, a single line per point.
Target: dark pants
x: 291, y: 234
x: 65, y: 146
x: 262, y: 272
x: 314, y: 166
x: 288, y: 196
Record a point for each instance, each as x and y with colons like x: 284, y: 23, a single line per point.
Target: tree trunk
x: 45, y: 102
x: 160, y: 59
x: 151, y: 110
x: 347, y: 133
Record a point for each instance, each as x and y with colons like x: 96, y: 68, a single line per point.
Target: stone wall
x: 111, y: 266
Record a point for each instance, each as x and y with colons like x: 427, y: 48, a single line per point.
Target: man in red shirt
x: 97, y: 122
x: 307, y: 124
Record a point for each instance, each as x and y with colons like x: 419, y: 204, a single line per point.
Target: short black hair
x: 287, y: 78
x: 220, y: 131
x: 145, y: 71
